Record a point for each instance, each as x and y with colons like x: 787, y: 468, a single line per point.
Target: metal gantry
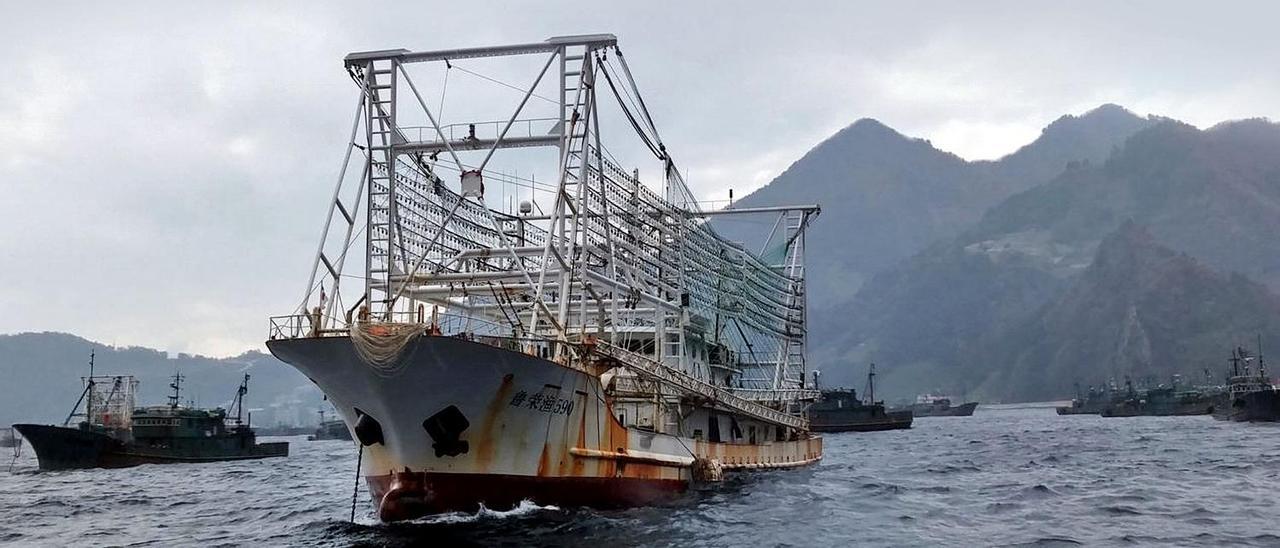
x: 610, y: 259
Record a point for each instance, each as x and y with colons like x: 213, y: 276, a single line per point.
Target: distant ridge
x: 886, y: 196
x: 1213, y: 195
x: 1139, y: 310
x: 42, y: 373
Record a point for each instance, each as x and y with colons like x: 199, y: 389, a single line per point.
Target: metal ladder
x: 575, y: 101
x: 380, y: 86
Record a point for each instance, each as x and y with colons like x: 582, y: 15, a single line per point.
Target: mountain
x: 42, y: 374
x: 1212, y: 194
x: 887, y: 196
x: 1141, y: 310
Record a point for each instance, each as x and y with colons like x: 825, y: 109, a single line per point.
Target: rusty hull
x: 530, y: 429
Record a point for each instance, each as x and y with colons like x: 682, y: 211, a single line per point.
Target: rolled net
x: 380, y: 345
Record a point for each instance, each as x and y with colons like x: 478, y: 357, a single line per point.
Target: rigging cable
x: 643, y: 110
x: 630, y: 117
x: 444, y: 88
x: 504, y: 84
x: 635, y: 107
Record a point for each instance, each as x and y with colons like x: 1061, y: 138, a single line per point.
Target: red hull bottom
x: 408, y: 495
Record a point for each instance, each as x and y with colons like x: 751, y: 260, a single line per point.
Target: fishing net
x: 380, y: 345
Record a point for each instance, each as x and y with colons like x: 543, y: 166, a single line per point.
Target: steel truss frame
x: 610, y: 259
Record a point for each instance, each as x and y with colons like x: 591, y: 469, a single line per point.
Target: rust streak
x: 483, y: 445
x: 544, y: 462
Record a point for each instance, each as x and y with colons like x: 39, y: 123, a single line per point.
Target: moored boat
x: 1169, y: 400
x: 330, y: 430
x: 115, y: 434
x: 930, y: 405
x: 841, y: 410
x: 1092, y: 403
x: 1249, y: 396
x: 609, y: 352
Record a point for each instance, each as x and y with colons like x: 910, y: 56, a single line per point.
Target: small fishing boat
x: 841, y: 411
x: 929, y: 405
x: 331, y: 429
x: 1250, y: 396
x: 113, y: 433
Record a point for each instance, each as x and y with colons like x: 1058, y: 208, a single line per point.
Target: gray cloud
x: 164, y: 169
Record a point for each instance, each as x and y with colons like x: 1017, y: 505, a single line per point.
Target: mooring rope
x: 355, y: 492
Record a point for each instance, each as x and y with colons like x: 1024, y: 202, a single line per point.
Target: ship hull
x: 834, y: 421
x: 1157, y: 411
x: 1078, y: 411
x: 61, y: 448
x: 963, y: 410
x: 407, y: 495
x: 461, y: 424
x: 1162, y: 404
x: 1260, y: 406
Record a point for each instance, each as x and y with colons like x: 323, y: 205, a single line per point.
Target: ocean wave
x: 525, y: 508
x: 1121, y: 510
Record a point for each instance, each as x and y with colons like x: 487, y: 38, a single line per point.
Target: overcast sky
x: 164, y: 170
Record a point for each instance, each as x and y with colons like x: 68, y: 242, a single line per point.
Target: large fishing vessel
x: 597, y: 345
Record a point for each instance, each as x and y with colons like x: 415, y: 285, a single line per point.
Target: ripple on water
x: 1037, y: 491
x: 1120, y: 510
x: 1047, y: 542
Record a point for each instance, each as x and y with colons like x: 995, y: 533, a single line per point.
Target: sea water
x: 1003, y: 477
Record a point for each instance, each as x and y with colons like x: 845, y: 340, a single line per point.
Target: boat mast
x: 238, y: 403
x: 86, y: 396
x: 871, y: 384
x: 176, y: 385
x: 1262, y: 368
